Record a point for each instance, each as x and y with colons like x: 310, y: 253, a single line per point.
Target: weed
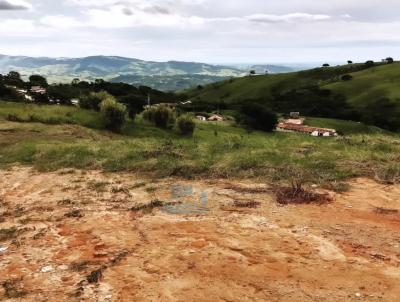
x: 149, y: 206
x: 98, y: 186
x: 138, y: 185
x: 95, y: 276
x: 7, y: 234
x: 151, y: 189
x: 74, y: 214
x: 385, y: 211
x: 246, y: 204
x: 14, y: 289
x: 388, y: 174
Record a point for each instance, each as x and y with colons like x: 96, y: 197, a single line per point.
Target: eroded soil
x: 80, y: 236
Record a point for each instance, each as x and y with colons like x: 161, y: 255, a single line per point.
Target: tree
x: 349, y: 62
x: 93, y: 100
x: 114, y: 113
x: 63, y: 92
x: 38, y: 80
x: 161, y: 115
x: 326, y: 65
x: 252, y: 72
x: 186, y: 124
x: 13, y: 75
x: 258, y: 117
x: 134, y: 104
x: 370, y: 63
x: 389, y: 60
x: 13, y: 78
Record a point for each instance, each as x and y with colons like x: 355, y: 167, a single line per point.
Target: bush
x: 186, y: 124
x: 93, y: 100
x: 160, y: 115
x: 347, y: 77
x: 258, y: 117
x: 114, y: 114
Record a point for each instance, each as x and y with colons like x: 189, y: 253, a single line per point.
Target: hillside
x: 370, y: 84
x: 262, y: 86
x: 165, y: 76
x: 119, y: 68
x: 169, y: 83
x: 370, y: 94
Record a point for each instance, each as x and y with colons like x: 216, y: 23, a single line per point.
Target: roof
x: 303, y: 129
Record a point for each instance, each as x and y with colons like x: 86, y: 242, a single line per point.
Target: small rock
x: 100, y: 254
x: 63, y: 267
x: 3, y: 249
x: 358, y: 295
x: 47, y: 269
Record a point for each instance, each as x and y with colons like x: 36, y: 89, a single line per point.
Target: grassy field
x: 48, y: 114
x: 214, y: 151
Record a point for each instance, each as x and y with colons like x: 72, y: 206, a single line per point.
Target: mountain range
x: 167, y: 76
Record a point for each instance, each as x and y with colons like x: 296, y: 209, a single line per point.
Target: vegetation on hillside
x: 233, y: 152
x: 366, y: 92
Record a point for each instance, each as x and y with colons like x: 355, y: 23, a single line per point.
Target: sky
x: 214, y: 31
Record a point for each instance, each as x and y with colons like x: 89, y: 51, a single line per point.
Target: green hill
x: 262, y: 86
x: 378, y: 82
x: 369, y: 94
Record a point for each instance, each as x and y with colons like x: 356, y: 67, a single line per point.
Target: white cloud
x: 207, y: 30
x: 293, y: 18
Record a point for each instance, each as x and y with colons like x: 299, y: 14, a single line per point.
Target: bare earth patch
x: 90, y: 236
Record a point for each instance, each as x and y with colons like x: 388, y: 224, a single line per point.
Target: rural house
x: 313, y: 131
x: 38, y: 89
x: 215, y: 118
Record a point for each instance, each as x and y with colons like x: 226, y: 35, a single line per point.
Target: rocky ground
x: 89, y: 236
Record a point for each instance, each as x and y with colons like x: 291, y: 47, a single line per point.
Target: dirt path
x: 80, y: 236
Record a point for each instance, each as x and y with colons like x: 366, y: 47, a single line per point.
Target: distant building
x: 294, y: 115
x: 295, y: 121
x: 201, y: 118
x: 38, y: 89
x: 215, y: 118
x: 313, y: 131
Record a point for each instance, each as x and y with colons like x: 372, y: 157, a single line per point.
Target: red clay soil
x: 79, y: 236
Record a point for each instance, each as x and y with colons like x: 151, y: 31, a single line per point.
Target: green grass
x: 215, y: 150
x: 48, y: 114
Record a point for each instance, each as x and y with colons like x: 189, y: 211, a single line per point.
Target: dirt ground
x: 88, y: 236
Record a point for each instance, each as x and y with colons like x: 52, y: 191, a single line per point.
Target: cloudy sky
x: 216, y: 31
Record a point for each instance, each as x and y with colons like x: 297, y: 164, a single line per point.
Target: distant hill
x: 267, y: 68
x: 177, y: 75
x: 169, y: 83
x: 167, y: 76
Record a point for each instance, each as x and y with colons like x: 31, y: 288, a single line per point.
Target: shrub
x: 369, y: 63
x: 160, y: 115
x: 186, y: 124
x: 93, y: 100
x: 347, y: 77
x: 114, y: 114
